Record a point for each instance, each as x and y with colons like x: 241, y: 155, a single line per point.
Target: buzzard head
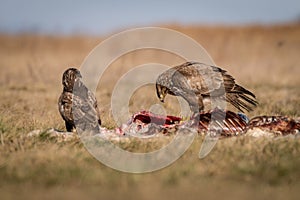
x: 163, y: 85
x: 161, y: 92
x: 70, y: 77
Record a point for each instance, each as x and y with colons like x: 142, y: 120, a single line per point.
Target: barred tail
x: 241, y: 98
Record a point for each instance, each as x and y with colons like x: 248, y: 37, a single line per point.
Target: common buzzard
x: 77, y: 104
x: 196, y: 82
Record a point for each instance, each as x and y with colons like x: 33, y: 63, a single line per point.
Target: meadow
x: 264, y: 59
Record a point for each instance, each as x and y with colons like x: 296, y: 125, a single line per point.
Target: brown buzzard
x: 196, y: 82
x: 77, y: 104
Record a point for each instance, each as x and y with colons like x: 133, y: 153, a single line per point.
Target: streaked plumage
x: 196, y: 82
x: 77, y: 104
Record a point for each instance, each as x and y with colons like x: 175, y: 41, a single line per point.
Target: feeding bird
x: 196, y: 82
x: 77, y: 104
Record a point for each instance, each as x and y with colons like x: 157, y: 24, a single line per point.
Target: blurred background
x: 256, y: 41
x: 243, y: 37
x: 104, y: 17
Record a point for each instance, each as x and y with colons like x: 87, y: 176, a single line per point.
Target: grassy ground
x: 263, y: 59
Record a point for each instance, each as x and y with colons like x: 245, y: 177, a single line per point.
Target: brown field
x: 264, y: 59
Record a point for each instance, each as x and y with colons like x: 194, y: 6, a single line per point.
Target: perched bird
x: 77, y: 104
x: 196, y: 82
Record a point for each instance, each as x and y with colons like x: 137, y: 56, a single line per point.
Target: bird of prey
x: 77, y: 104
x: 196, y: 82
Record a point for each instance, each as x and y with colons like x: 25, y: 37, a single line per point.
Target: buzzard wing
x: 93, y: 100
x: 199, y: 78
x: 77, y: 104
x: 86, y: 116
x: 81, y: 111
x: 213, y: 81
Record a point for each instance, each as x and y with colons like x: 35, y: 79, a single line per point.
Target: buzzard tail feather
x: 241, y: 101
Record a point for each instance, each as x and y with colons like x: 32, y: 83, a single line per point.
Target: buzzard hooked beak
x: 78, y: 75
x: 162, y: 99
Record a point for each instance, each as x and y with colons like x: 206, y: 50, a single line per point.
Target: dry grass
x: 263, y: 59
